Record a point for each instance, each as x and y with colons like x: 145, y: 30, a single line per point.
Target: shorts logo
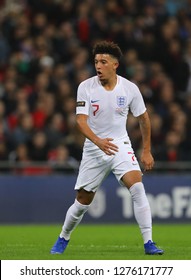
x: 80, y: 104
x: 121, y: 101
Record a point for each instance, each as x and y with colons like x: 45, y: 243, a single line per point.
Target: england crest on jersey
x: 121, y: 101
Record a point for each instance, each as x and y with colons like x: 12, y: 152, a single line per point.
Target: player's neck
x: 110, y: 83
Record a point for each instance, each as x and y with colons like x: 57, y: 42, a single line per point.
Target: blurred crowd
x: 46, y: 51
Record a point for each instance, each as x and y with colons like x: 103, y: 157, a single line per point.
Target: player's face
x: 105, y: 66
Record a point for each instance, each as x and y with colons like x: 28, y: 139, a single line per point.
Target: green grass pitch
x: 93, y: 242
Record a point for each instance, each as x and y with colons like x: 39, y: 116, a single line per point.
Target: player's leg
x: 73, y: 217
x: 127, y: 171
x: 76, y: 212
x: 133, y: 181
x: 91, y: 174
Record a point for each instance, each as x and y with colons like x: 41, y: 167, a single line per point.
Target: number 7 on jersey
x: 96, y: 108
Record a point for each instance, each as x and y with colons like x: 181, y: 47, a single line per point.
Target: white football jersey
x: 108, y: 110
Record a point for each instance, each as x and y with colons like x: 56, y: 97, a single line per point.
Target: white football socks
x: 141, y: 207
x: 142, y: 210
x: 74, y: 216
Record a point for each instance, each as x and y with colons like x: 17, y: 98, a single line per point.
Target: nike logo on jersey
x: 94, y: 101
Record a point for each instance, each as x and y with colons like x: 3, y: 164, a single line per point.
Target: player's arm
x: 104, y: 144
x: 145, y: 127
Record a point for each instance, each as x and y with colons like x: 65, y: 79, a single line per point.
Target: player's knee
x: 132, y: 177
x: 85, y: 197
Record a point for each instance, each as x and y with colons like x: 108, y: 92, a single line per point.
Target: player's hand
x: 147, y: 160
x: 107, y: 146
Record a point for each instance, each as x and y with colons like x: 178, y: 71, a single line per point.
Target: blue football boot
x: 59, y: 246
x: 151, y: 249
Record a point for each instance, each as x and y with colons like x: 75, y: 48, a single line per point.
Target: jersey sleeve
x: 137, y: 105
x: 82, y: 103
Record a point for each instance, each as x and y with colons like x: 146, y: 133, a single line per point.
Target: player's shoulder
x: 89, y: 83
x: 127, y: 83
x: 129, y: 87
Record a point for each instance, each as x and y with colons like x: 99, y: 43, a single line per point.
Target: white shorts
x: 93, y: 170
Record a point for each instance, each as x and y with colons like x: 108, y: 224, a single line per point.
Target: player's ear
x: 116, y: 64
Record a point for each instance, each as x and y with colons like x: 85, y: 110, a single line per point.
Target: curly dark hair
x: 107, y: 47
